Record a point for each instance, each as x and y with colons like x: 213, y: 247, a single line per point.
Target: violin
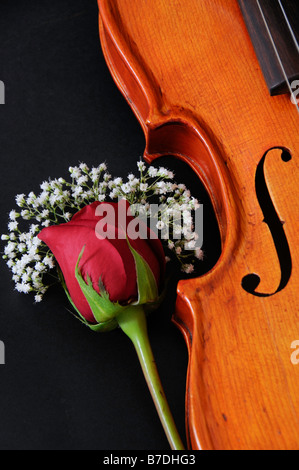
x: 210, y: 82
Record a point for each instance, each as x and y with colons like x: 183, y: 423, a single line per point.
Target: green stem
x: 133, y: 322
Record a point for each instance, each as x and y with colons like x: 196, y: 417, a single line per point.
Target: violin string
x: 277, y: 53
x: 289, y: 25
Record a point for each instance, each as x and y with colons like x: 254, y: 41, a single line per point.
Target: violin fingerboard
x: 274, y: 43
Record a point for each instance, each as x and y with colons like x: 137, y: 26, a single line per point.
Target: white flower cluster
x: 30, y: 260
x: 174, y: 199
x: 27, y: 257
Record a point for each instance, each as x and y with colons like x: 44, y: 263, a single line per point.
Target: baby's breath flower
x: 171, y: 244
x: 25, y: 277
x: 75, y: 172
x: 31, y: 198
x: 194, y: 203
x: 141, y: 166
x: 163, y: 172
x: 199, y: 253
x: 36, y: 276
x: 23, y: 287
x: 12, y: 226
x: 49, y: 261
x: 94, y: 174
x: 46, y: 223
x: 160, y: 225
x: 113, y: 194
x: 25, y: 214
x: 126, y: 188
x: 107, y: 176
x: 45, y: 186
x: 134, y: 183
x: 152, y: 171
x: 38, y: 298
x: 190, y: 245
x: 34, y: 228
x: 22, y: 247
x: 20, y: 200
x: 10, y: 248
x: 82, y: 180
x: 188, y: 268
x: 84, y: 167
x: 45, y: 213
x: 77, y: 191
x: 13, y: 215
x: 40, y: 267
x: 161, y: 187
x: 143, y: 187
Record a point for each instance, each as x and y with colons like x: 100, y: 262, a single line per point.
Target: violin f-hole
x: 271, y: 218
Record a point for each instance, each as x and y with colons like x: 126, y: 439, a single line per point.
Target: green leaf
x: 146, y: 282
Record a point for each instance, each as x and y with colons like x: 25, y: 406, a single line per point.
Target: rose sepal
x: 104, y: 311
x: 148, y: 293
x: 101, y: 327
x: 147, y: 286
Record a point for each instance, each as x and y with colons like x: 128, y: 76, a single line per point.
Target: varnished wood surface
x: 190, y: 73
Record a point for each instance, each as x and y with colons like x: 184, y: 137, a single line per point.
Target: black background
x: 64, y: 387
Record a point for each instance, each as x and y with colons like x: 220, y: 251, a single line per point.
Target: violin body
x: 190, y: 73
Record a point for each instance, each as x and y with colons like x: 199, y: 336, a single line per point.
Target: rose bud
x: 104, y: 270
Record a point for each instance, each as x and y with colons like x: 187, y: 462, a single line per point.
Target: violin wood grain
x: 187, y: 70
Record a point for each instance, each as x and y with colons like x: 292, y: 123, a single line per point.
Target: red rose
x: 109, y: 260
